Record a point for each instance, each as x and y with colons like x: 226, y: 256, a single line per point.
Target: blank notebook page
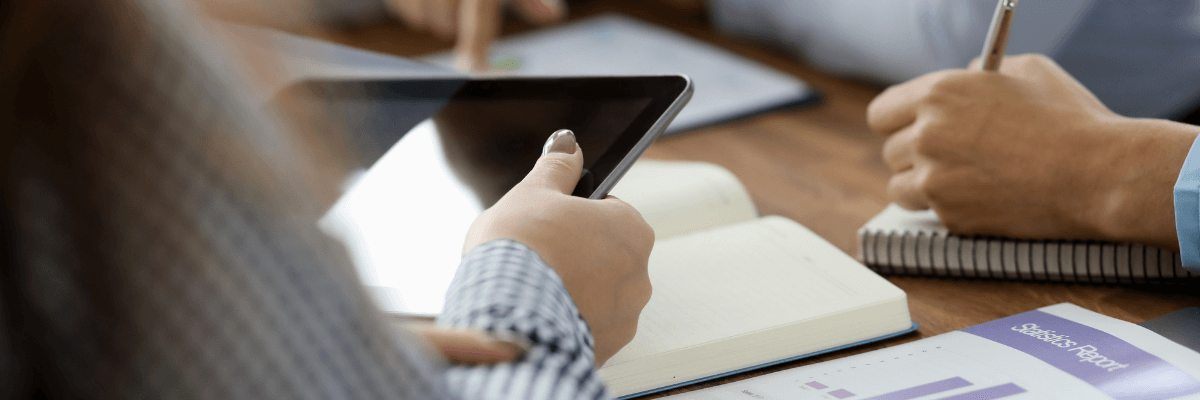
x: 745, y: 278
x: 679, y: 197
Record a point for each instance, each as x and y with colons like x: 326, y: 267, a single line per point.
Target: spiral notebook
x: 902, y: 242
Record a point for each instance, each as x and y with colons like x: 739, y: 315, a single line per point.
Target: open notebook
x: 898, y: 241
x: 734, y: 291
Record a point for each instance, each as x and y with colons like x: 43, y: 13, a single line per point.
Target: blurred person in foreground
x: 159, y: 238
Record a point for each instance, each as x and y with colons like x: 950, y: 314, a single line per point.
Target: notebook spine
x: 940, y: 255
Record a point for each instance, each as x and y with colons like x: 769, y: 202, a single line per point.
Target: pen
x: 993, y: 48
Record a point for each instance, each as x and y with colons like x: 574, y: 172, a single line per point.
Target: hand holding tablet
x: 600, y: 248
x: 405, y: 219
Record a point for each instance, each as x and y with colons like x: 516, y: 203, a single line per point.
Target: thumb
x: 560, y: 166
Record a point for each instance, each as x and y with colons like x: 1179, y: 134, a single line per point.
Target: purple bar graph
x: 841, y: 393
x: 815, y: 385
x: 992, y: 393
x: 924, y: 390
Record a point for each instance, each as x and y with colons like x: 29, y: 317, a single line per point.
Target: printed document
x: 1056, y: 352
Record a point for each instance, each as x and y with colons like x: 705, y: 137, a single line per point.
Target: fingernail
x: 561, y: 141
x: 517, y: 343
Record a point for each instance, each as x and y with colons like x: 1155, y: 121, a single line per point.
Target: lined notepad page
x: 679, y: 197
x: 713, y: 285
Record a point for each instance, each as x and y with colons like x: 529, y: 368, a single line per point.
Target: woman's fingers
x: 471, y: 347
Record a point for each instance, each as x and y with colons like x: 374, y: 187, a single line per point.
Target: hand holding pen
x: 1029, y: 153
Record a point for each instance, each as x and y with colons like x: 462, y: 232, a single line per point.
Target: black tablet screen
x: 486, y: 134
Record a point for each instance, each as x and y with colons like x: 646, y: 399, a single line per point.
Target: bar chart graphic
x: 837, y: 393
x: 919, y: 374
x: 924, y: 390
x: 929, y: 389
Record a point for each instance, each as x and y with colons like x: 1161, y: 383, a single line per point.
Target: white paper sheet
x: 962, y: 365
x: 727, y: 86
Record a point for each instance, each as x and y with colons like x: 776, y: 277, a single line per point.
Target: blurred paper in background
x: 727, y: 86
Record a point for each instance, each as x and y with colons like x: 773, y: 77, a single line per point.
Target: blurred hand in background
x: 475, y: 23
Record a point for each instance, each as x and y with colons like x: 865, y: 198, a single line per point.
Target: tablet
x: 490, y: 131
x: 454, y: 147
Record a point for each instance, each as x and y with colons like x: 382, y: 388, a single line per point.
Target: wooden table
x: 821, y: 166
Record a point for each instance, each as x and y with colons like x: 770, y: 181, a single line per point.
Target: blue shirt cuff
x: 1187, y: 209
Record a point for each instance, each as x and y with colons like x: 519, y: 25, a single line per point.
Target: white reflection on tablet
x: 401, y: 240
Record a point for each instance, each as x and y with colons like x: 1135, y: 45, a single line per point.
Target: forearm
x: 1138, y: 204
x: 504, y: 286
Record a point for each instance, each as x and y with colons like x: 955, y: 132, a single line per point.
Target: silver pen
x: 993, y: 48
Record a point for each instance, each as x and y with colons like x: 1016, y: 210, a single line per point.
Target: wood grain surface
x: 821, y: 166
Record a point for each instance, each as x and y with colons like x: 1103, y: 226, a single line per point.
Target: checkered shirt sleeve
x: 505, y: 286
